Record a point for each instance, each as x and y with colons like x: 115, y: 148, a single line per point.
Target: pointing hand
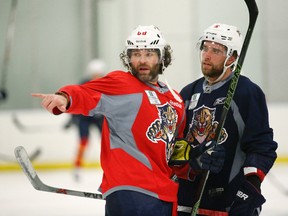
x: 52, y: 101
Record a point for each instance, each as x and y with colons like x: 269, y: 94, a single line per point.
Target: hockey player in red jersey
x: 142, y: 118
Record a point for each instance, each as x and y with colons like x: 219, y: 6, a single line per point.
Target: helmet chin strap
x: 223, y: 72
x: 128, y: 64
x: 166, y: 82
x: 130, y: 69
x: 169, y: 87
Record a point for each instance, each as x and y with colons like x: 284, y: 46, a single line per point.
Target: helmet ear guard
x: 126, y: 57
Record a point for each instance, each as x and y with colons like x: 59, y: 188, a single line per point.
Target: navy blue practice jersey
x: 246, y: 136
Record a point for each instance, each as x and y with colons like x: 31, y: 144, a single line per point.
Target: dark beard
x: 214, y: 73
x: 151, y: 77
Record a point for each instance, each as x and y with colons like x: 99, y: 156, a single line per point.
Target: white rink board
x: 45, y: 131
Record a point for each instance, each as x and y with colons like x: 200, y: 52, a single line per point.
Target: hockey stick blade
x: 253, y: 14
x: 27, y: 167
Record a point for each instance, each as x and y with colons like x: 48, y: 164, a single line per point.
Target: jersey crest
x: 203, y: 126
x: 164, y: 127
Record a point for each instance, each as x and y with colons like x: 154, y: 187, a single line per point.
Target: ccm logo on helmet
x: 141, y: 33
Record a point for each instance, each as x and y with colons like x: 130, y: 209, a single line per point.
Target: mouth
x: 206, y: 64
x: 144, y: 69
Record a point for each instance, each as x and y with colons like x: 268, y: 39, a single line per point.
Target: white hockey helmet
x: 224, y: 34
x: 146, y: 37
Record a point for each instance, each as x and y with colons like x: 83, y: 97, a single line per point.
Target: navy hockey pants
x: 126, y: 203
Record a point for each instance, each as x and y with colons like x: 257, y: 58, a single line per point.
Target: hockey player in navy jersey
x: 246, y: 136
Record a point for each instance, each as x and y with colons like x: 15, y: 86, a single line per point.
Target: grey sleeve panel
x: 240, y: 155
x: 120, y: 113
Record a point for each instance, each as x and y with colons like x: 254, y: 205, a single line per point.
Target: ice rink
x: 18, y: 197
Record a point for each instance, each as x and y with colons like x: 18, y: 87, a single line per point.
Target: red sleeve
x: 85, y: 97
x: 184, y: 172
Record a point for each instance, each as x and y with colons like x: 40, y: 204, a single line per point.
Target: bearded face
x: 213, y: 56
x: 145, y: 65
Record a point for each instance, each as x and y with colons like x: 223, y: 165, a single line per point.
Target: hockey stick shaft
x: 31, y: 156
x: 31, y: 128
x: 277, y: 183
x: 253, y: 14
x: 8, y: 43
x: 27, y: 167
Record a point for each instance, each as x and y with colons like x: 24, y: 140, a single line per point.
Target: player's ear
x: 231, y: 59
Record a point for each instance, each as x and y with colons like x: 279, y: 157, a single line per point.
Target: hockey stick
x: 253, y: 14
x: 30, y: 128
x: 275, y: 181
x: 20, y: 126
x: 28, y: 169
x: 8, y: 46
x: 32, y: 156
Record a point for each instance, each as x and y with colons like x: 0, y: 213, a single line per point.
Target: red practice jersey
x: 140, y: 125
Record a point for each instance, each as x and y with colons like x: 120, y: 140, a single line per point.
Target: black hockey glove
x: 206, y: 155
x: 248, y: 199
x: 212, y: 157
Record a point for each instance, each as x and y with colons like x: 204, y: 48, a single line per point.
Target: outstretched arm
x: 53, y: 102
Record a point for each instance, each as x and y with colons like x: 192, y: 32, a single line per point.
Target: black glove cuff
x: 255, y: 181
x: 247, y: 200
x: 253, y: 196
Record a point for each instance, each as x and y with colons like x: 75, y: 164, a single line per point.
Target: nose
x: 207, y: 54
x: 142, y: 58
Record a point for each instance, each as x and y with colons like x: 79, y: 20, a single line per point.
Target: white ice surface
x: 18, y: 197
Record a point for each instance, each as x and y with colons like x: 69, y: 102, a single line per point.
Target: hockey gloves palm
x: 207, y: 155
x: 181, y: 152
x: 247, y: 200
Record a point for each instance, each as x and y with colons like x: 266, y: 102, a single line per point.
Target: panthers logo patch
x: 164, y: 128
x: 203, y: 126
